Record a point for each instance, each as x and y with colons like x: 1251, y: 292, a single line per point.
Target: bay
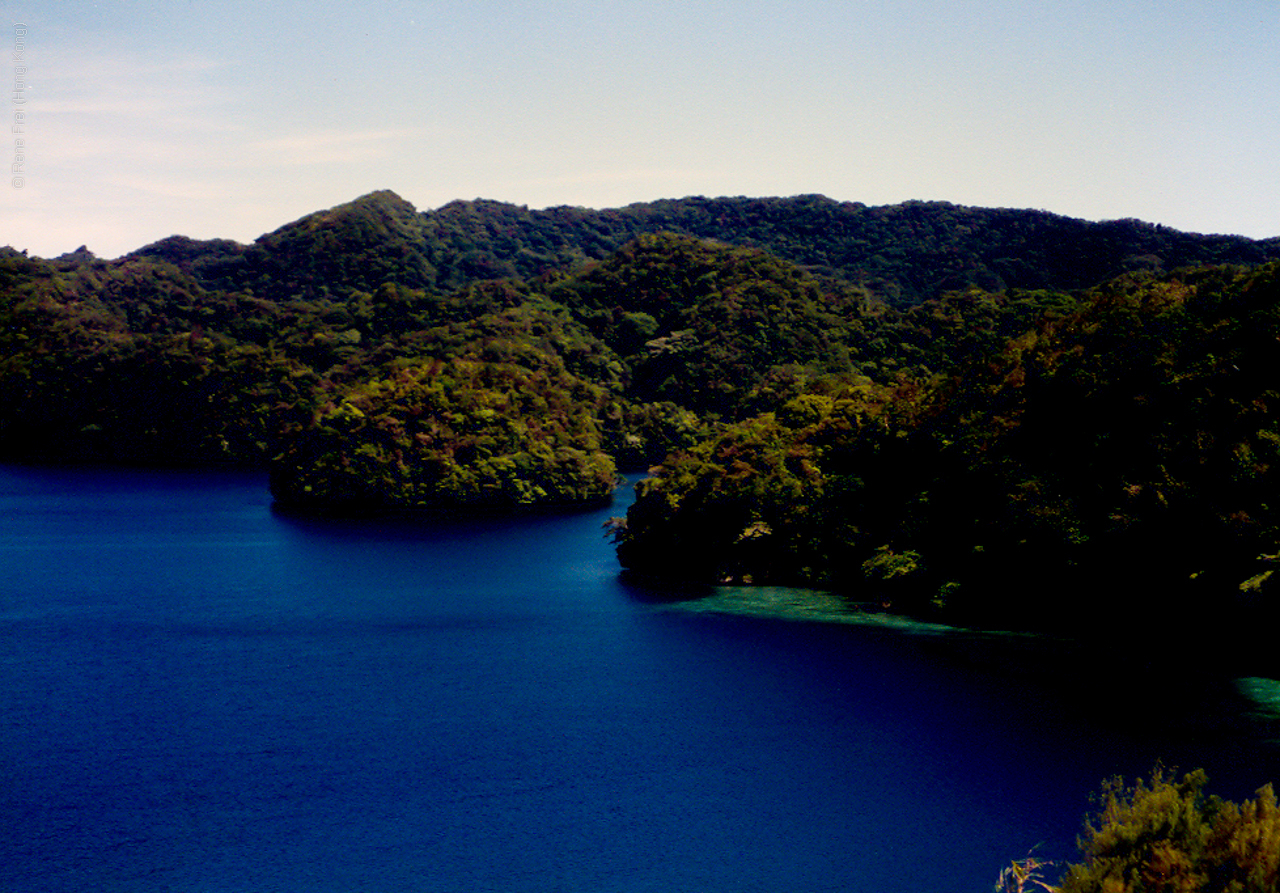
x: 198, y: 693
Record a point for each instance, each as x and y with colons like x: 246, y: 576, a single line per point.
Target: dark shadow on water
x: 1141, y: 692
x: 370, y: 523
x: 452, y: 515
x: 649, y: 590
x: 401, y: 524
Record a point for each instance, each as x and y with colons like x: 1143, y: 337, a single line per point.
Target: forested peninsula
x: 984, y: 416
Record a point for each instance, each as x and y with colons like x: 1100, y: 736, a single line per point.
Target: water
x: 199, y: 694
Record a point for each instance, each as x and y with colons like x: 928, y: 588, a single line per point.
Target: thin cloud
x: 628, y: 175
x: 333, y: 146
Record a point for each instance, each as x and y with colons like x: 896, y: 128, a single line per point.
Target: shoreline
x: 1077, y: 669
x: 814, y: 606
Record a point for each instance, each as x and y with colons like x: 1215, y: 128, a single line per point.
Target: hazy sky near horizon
x: 230, y: 118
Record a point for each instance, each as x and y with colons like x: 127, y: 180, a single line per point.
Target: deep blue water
x: 200, y: 694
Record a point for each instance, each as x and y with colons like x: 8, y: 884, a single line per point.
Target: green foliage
x: 764, y: 500
x: 1118, y: 456
x: 701, y: 325
x: 904, y: 253
x: 486, y: 354
x: 499, y: 424
x: 1166, y: 836
x: 113, y: 362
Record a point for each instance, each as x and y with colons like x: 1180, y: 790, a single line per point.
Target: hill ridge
x: 905, y: 253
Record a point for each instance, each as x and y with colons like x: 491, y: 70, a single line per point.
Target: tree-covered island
x: 983, y: 416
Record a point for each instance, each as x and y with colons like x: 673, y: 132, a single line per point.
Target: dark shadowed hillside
x: 1113, y: 466
x: 903, y: 253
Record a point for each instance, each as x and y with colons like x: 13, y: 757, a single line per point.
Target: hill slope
x: 1116, y: 460
x: 903, y: 253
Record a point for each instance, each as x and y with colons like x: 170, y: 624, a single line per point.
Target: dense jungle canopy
x: 995, y: 416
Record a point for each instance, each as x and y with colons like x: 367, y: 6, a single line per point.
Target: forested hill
x: 1116, y: 466
x: 902, y: 253
x: 826, y: 394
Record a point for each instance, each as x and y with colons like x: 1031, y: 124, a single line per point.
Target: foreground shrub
x: 1167, y: 836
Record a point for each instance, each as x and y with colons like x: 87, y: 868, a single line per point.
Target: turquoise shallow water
x: 200, y: 694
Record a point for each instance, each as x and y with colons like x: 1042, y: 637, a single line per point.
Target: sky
x: 229, y: 119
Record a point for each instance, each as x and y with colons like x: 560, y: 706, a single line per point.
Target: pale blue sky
x: 229, y: 119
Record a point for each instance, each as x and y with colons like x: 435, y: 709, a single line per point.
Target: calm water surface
x: 199, y: 694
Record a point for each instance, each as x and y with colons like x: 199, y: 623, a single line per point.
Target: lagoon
x: 199, y: 693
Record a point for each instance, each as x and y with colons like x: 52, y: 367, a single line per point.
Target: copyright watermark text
x: 18, y: 169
